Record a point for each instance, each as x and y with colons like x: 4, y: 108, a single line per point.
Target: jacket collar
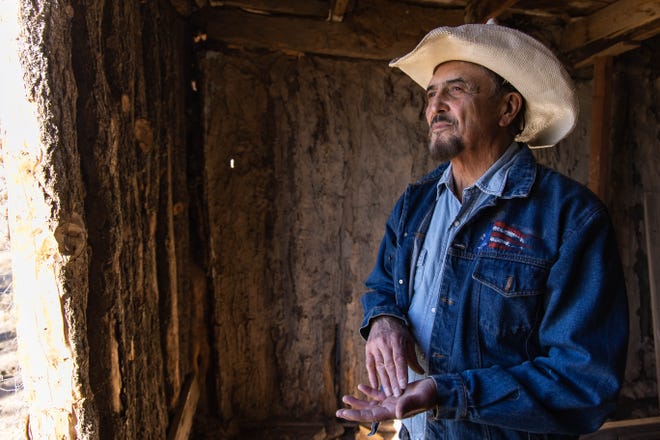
x: 518, y: 182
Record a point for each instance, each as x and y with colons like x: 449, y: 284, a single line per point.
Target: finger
x: 372, y: 393
x: 401, y: 364
x: 356, y: 403
x: 390, y: 369
x: 356, y: 415
x: 384, y: 377
x: 371, y: 370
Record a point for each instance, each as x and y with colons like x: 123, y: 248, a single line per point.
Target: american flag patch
x: 503, y: 236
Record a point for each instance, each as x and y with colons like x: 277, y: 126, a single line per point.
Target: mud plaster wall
x: 321, y: 148
x: 110, y: 79
x: 635, y: 171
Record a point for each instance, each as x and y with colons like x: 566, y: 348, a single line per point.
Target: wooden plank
x: 652, y: 229
x: 183, y: 7
x: 638, y: 429
x: 338, y: 10
x: 600, y: 127
x: 183, y: 417
x: 480, y: 11
x: 381, y: 30
x: 611, y: 51
x: 617, y: 19
x: 306, y: 8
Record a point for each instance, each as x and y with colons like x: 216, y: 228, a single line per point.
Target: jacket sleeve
x: 380, y: 297
x: 571, y: 386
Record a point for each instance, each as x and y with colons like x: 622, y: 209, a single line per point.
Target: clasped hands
x: 389, y: 351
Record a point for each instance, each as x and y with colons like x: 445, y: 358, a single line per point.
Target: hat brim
x: 550, y: 99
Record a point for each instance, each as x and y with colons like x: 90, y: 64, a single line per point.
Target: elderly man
x: 497, y: 305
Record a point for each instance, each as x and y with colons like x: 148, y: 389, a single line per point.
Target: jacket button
x: 400, y: 281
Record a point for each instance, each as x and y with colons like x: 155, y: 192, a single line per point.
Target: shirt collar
x: 493, y: 181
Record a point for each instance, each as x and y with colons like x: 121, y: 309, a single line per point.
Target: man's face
x: 461, y: 109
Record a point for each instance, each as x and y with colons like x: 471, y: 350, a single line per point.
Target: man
x: 498, y: 281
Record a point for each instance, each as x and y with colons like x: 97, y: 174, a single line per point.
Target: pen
x: 374, y: 428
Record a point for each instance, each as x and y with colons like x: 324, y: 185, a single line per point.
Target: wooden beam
x: 305, y: 8
x: 480, y: 11
x: 645, y: 428
x: 381, y: 30
x: 616, y: 20
x: 183, y: 7
x: 609, y: 51
x: 600, y: 130
x: 652, y: 232
x: 183, y: 418
x: 338, y: 10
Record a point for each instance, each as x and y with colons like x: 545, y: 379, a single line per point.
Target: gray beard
x: 443, y: 150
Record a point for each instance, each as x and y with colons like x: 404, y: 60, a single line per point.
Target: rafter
x: 620, y: 24
x: 309, y: 8
x: 338, y: 10
x: 379, y: 31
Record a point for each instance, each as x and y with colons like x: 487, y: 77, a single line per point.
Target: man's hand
x: 418, y: 396
x: 389, y: 351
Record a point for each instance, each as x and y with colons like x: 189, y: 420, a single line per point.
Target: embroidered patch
x: 503, y: 236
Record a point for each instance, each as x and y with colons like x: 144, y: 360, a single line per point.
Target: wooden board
x: 652, y: 225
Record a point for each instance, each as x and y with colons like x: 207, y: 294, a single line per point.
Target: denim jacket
x: 531, y: 329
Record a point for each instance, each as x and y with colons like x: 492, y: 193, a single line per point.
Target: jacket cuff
x: 452, y: 397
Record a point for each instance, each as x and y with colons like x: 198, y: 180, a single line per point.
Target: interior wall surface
x: 305, y: 156
x: 635, y: 173
x: 304, y: 159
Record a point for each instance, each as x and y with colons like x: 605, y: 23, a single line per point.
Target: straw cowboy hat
x: 551, y: 104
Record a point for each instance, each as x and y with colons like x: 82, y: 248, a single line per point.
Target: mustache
x: 441, y: 118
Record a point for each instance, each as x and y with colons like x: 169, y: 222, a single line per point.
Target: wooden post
x: 600, y: 132
x: 185, y: 412
x: 652, y: 230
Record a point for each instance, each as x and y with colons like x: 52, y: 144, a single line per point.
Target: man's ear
x: 510, y: 107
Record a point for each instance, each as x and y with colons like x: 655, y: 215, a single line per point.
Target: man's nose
x: 436, y: 105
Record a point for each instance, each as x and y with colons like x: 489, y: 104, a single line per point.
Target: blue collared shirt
x: 448, y: 216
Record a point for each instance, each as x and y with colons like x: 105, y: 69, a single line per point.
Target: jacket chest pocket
x: 509, y: 294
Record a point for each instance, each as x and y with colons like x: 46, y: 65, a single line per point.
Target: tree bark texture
x: 110, y: 81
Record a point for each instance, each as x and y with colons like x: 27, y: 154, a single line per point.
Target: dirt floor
x: 13, y: 411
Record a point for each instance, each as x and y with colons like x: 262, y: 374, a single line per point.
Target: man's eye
x: 430, y: 94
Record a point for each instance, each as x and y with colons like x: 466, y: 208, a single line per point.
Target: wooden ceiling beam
x: 183, y: 7
x: 305, y: 8
x: 613, y: 23
x: 480, y: 11
x: 379, y: 30
x: 338, y: 10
